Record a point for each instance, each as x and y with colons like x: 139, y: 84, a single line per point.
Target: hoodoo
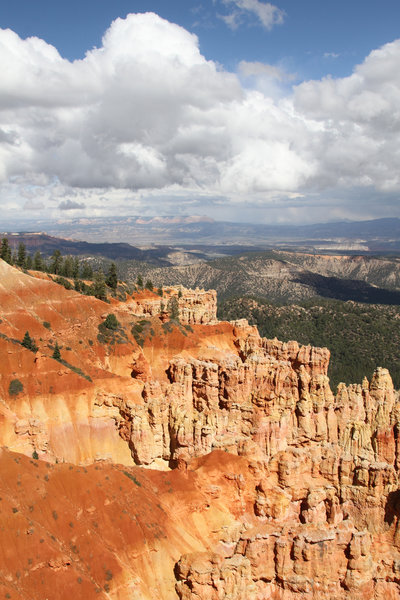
x: 167, y: 455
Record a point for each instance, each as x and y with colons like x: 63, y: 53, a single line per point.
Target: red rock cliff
x: 280, y: 490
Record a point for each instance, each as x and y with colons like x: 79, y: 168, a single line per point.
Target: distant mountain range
x: 375, y: 235
x: 47, y: 244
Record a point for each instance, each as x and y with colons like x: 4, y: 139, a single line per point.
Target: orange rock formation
x: 260, y: 483
x: 195, y: 306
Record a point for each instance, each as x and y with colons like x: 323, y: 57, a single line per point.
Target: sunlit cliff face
x: 186, y: 458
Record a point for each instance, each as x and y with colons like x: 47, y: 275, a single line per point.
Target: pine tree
x: 111, y: 322
x: 149, y: 285
x: 56, y: 352
x: 99, y: 286
x: 68, y: 267
x: 21, y: 256
x: 56, y: 262
x: 5, y: 253
x: 139, y: 281
x: 29, y: 342
x: 112, y: 277
x: 87, y: 271
x: 173, y: 308
x: 75, y: 268
x: 28, y: 262
x: 37, y: 261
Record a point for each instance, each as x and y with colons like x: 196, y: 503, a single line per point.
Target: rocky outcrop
x: 270, y: 397
x: 194, y: 306
x: 279, y: 490
x: 325, y: 502
x: 312, y: 539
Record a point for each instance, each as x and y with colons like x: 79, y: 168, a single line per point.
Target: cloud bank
x: 147, y: 115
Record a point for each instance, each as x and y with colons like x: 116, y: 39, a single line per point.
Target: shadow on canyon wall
x: 347, y: 289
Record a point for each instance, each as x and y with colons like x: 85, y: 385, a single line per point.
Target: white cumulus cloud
x: 146, y: 113
x: 359, y: 118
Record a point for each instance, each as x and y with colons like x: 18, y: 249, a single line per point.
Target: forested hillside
x: 284, y: 277
x: 360, y: 336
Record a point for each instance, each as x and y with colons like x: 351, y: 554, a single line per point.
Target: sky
x: 241, y: 110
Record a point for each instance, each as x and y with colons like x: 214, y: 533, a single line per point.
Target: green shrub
x: 167, y: 327
x: 111, y: 332
x: 76, y: 370
x: 64, y: 282
x: 141, y: 330
x: 111, y: 322
x: 132, y: 477
x: 15, y: 387
x: 46, y: 324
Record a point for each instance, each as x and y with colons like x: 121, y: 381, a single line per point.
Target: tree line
x: 64, y: 268
x: 71, y: 267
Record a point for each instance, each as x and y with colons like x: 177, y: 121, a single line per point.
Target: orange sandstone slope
x: 279, y: 489
x: 106, y: 530
x: 76, y: 410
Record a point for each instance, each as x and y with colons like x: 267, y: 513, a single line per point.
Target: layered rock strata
x: 280, y: 490
x: 324, y: 520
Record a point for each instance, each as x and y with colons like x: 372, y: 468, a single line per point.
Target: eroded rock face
x: 262, y: 403
x: 324, y: 515
x: 312, y: 539
x: 280, y: 490
x: 195, y: 306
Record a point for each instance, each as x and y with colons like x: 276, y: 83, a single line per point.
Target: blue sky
x: 282, y: 112
x: 315, y: 38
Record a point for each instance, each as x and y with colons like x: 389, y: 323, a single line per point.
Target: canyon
x: 186, y: 458
x: 284, y: 276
